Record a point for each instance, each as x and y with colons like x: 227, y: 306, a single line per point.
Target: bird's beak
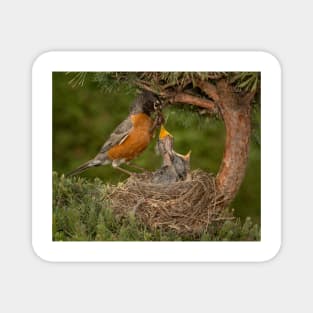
x: 164, y: 133
x: 187, y: 156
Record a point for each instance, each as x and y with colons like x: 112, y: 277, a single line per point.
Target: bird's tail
x: 84, y: 167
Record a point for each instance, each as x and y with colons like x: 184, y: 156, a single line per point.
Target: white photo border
x: 203, y: 251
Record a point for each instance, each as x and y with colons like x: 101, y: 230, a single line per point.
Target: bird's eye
x: 156, y: 104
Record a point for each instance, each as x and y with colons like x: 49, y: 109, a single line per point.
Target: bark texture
x: 235, y: 110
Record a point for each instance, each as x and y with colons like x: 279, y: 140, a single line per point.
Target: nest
x: 184, y: 206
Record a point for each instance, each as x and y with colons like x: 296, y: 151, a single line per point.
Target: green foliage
x: 81, y: 212
x: 77, y: 79
x: 115, y: 81
x: 189, y: 117
x: 246, y: 81
x: 109, y: 82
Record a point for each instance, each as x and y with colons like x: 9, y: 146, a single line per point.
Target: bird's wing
x: 119, y: 135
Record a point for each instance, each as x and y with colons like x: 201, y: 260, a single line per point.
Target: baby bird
x: 175, y: 167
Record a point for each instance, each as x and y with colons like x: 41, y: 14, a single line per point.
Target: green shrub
x: 81, y: 212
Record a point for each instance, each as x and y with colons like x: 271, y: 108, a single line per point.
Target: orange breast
x: 137, y: 140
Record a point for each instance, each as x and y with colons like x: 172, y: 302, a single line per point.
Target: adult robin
x: 130, y: 137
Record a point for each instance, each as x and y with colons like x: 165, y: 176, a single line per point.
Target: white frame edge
x: 270, y: 242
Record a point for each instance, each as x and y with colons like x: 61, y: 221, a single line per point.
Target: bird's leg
x: 116, y: 164
x: 123, y: 170
x: 136, y: 167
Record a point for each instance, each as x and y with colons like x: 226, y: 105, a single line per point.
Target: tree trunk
x: 235, y: 111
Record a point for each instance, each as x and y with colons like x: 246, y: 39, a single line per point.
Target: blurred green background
x: 83, y: 118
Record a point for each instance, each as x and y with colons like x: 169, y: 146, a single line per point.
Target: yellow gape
x: 164, y: 133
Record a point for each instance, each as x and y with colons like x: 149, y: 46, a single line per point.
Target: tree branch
x: 181, y: 97
x: 209, y: 89
x: 146, y: 86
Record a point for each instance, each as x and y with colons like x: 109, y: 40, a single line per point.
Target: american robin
x: 175, y: 167
x: 131, y: 137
